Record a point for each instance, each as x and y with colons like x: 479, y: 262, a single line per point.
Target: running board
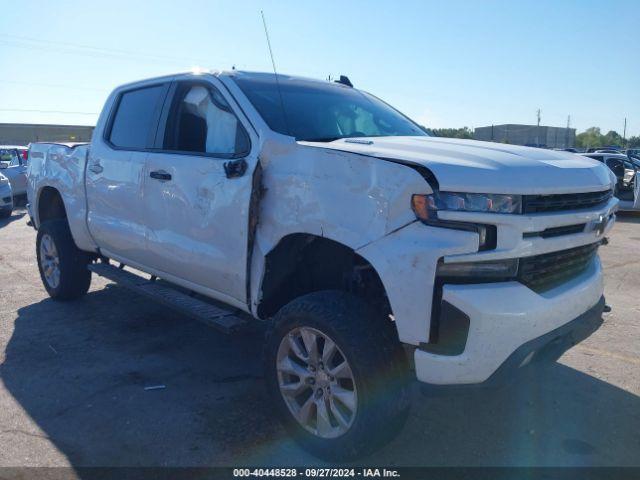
x: 225, y: 320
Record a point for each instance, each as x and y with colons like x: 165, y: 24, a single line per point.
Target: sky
x: 443, y: 63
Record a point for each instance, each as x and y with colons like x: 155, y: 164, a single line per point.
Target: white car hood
x: 485, y: 167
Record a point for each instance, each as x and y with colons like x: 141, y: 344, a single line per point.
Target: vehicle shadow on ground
x: 80, y: 369
x: 14, y: 217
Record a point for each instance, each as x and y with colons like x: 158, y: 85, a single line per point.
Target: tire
x: 73, y: 277
x: 6, y: 213
x: 367, y: 341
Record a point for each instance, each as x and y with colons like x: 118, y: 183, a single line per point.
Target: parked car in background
x: 626, y: 172
x: 13, y: 162
x: 608, y: 149
x: 633, y: 153
x: 635, y: 161
x: 24, y: 154
x: 6, y: 197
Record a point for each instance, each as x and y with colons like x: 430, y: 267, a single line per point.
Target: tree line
x: 590, y: 138
x: 593, y: 137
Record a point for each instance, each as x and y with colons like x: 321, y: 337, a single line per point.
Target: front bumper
x: 551, y: 346
x: 544, y: 349
x: 6, y: 198
x: 508, y: 322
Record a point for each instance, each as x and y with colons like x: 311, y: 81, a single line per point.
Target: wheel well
x: 304, y: 263
x: 50, y: 205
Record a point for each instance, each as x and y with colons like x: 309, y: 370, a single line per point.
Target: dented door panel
x: 197, y: 204
x: 197, y: 222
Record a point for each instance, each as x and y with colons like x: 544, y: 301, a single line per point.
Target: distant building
x: 530, y: 135
x: 25, y: 133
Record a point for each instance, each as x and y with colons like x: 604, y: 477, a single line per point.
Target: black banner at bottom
x: 405, y: 473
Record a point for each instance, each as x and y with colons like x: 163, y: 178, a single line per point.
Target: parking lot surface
x: 73, y: 378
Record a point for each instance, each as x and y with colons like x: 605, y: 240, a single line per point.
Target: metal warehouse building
x: 531, y: 135
x: 25, y: 133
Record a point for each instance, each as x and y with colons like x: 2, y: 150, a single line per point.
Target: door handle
x: 160, y: 175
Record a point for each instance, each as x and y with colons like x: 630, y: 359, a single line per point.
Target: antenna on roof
x: 275, y: 73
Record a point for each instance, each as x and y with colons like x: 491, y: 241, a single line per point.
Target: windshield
x: 322, y: 111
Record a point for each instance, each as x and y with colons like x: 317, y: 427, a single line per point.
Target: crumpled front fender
x: 406, y: 262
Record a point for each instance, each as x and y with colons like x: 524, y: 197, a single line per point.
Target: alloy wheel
x: 50, y: 261
x: 316, y: 382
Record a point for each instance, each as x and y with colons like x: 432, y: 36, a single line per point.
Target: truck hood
x: 485, y: 167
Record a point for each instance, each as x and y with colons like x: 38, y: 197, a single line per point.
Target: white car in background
x: 626, y: 171
x: 6, y: 197
x: 13, y: 163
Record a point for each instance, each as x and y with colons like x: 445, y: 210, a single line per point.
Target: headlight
x: 427, y: 206
x: 494, y: 269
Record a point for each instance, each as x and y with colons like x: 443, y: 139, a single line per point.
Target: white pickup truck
x: 369, y: 247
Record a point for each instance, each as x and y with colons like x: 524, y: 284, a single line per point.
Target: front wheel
x: 63, y: 267
x: 337, y: 375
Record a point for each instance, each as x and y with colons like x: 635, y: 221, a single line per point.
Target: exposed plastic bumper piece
x: 507, y: 319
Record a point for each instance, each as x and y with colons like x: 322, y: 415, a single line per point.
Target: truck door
x: 116, y: 169
x: 197, y: 191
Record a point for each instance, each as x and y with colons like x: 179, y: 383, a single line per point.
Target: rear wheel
x: 337, y: 375
x: 63, y: 267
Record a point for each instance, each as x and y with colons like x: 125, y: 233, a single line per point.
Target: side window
x: 9, y: 156
x: 134, y: 118
x: 201, y: 121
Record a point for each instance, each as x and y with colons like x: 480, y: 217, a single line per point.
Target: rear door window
x: 135, y: 121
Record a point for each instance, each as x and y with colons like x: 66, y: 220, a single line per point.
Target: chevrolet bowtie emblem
x: 599, y: 225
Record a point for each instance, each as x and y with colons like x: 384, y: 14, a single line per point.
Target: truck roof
x: 260, y: 76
